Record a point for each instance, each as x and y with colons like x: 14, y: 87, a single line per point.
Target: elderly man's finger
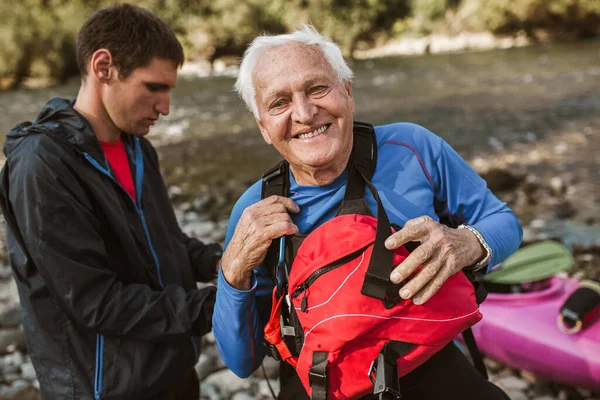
x: 280, y: 228
x: 413, y: 230
x: 418, y: 257
x: 287, y: 203
x: 421, y: 279
x: 431, y: 288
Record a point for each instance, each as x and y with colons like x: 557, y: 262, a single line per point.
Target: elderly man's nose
x: 304, y: 110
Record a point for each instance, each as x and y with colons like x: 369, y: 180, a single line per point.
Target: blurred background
x: 512, y: 85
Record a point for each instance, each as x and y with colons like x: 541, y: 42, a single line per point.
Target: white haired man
x: 299, y: 90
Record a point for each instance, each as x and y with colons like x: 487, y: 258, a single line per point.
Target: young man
x: 299, y: 90
x: 106, y: 278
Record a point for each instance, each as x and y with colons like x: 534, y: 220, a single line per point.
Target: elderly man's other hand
x: 443, y: 252
x: 259, y: 225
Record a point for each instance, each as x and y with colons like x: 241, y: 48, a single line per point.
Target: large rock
x: 500, y: 180
x: 10, y: 317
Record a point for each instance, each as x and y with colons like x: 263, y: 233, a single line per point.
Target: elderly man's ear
x: 348, y: 87
x: 264, y: 133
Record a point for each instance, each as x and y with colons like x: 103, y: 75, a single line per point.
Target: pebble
x: 512, y: 383
x: 557, y: 186
x: 242, y: 396
x: 10, y: 317
x: 228, y: 382
x: 28, y: 371
x: 516, y: 395
x: 10, y: 339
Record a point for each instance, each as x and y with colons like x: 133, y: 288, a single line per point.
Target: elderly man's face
x: 305, y: 111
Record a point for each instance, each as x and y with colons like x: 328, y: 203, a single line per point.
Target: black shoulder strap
x: 361, y: 166
x: 276, y: 181
x: 364, y: 151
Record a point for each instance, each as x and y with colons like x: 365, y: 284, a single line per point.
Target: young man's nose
x: 163, y: 105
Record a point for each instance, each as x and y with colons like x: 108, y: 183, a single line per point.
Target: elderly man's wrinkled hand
x: 443, y: 252
x: 259, y: 225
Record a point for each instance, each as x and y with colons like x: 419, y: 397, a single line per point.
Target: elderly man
x: 299, y: 90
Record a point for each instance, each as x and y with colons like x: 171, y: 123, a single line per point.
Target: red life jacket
x: 345, y: 328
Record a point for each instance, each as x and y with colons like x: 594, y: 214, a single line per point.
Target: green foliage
x: 429, y: 9
x: 37, y: 34
x: 575, y: 18
x: 37, y: 37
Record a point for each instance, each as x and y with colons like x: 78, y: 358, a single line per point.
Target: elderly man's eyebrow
x: 309, y: 81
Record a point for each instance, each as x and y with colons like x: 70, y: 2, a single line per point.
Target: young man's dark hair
x: 133, y: 35
x: 107, y: 280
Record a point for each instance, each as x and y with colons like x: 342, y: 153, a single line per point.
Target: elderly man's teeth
x: 313, y: 133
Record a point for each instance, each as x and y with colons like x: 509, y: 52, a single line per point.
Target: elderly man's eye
x: 277, y: 104
x: 318, y: 89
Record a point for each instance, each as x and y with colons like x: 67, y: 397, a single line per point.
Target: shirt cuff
x: 233, y: 292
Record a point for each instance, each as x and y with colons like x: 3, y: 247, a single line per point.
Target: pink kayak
x: 521, y: 330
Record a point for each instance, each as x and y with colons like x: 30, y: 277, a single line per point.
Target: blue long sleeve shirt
x: 415, y: 170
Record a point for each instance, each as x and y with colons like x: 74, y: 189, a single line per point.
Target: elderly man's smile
x: 313, y: 133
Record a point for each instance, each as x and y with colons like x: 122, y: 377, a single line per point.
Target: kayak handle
x: 568, y: 329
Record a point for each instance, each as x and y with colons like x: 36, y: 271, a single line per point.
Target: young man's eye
x: 154, y: 87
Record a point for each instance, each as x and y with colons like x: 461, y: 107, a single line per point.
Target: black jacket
x: 108, y: 290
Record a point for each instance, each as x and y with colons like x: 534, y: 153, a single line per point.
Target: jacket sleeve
x: 63, y: 237
x: 203, y: 257
x: 466, y: 195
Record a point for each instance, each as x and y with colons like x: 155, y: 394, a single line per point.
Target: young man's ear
x: 101, y: 66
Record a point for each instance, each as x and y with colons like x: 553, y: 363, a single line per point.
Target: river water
x: 481, y: 103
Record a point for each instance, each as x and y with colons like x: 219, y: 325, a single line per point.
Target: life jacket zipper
x: 303, y: 287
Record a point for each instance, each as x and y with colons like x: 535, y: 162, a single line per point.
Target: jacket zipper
x: 303, y: 287
x: 139, y: 169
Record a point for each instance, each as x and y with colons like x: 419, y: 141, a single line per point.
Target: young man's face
x: 135, y: 103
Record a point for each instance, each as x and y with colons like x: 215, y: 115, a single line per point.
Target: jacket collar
x: 59, y: 119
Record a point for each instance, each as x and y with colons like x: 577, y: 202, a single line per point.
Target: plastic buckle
x: 318, y: 379
x: 384, y: 377
x: 272, y: 351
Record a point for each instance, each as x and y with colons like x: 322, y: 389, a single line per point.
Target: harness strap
x: 384, y: 371
x: 377, y: 282
x: 580, y: 308
x: 276, y: 181
x: 475, y: 353
x: 273, y: 332
x: 317, y: 376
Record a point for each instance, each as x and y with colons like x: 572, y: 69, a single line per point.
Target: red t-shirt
x: 116, y: 154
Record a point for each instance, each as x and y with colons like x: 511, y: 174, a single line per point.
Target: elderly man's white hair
x: 309, y: 35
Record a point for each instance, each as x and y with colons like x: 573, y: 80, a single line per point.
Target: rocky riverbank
x: 552, y: 184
